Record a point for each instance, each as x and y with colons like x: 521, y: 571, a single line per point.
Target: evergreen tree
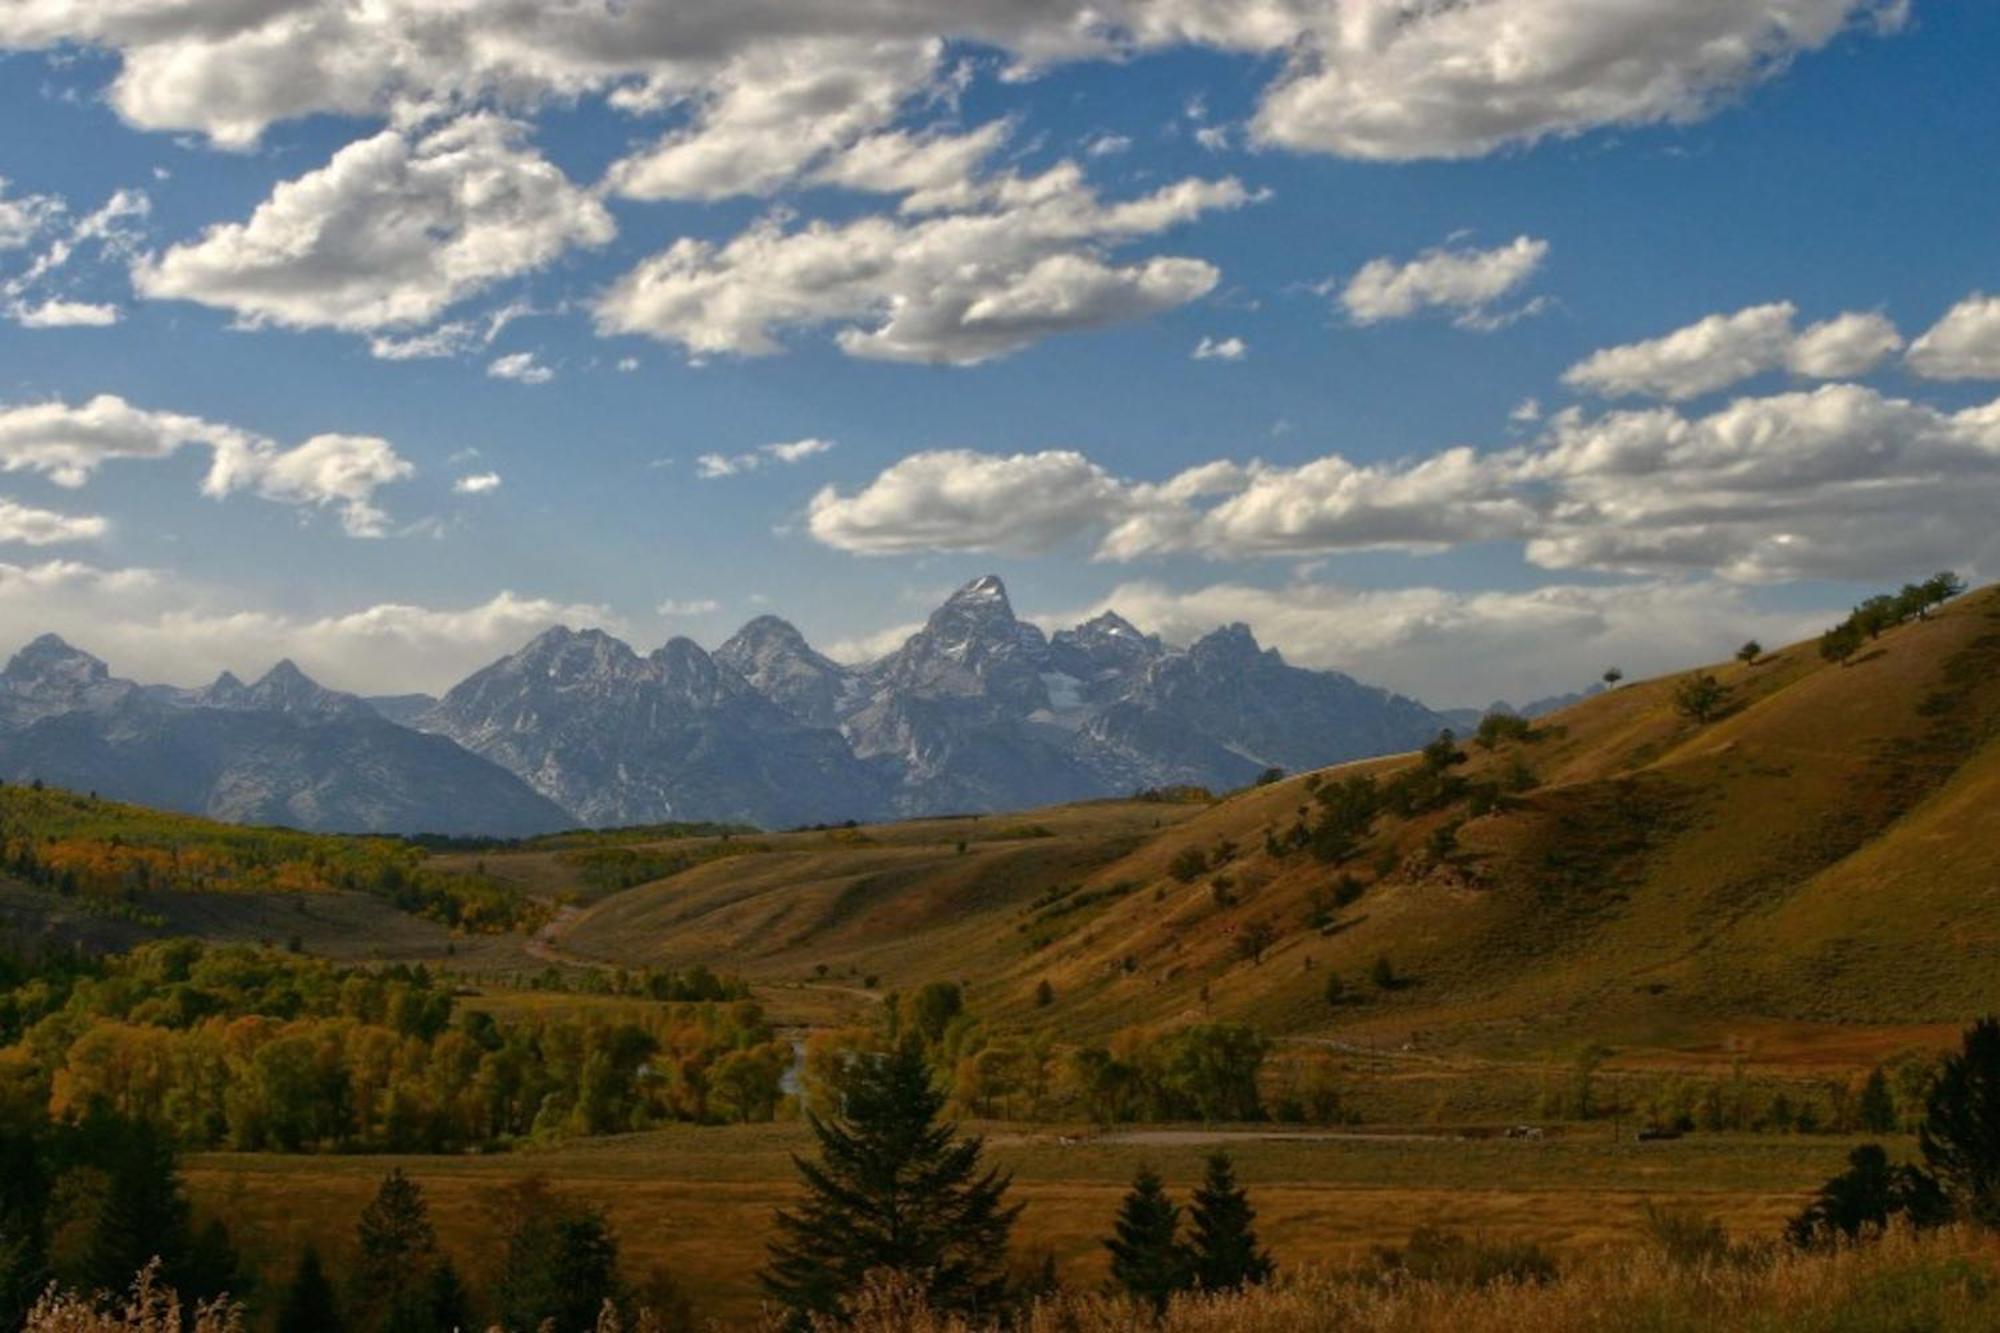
x: 894, y: 1190
x: 1877, y: 1109
x: 447, y: 1301
x: 558, y: 1259
x: 396, y: 1251
x: 1222, y: 1247
x: 1961, y: 1129
x: 308, y: 1305
x: 117, y: 1204
x: 1146, y: 1255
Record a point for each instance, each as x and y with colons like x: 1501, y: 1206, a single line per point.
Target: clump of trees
x: 1151, y: 1261
x: 255, y: 1049
x: 1959, y: 1142
x: 1884, y: 611
x: 1350, y: 807
x: 1210, y: 1072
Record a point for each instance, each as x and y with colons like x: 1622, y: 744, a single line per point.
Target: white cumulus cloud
x: 955, y: 499
x: 55, y: 313
x: 1964, y: 345
x: 1028, y: 262
x: 711, y: 466
x: 156, y: 626
x: 1397, y: 80
x: 1221, y: 349
x: 1819, y: 484
x: 68, y: 444
x: 521, y: 367
x: 1719, y: 350
x: 392, y: 231
x: 1451, y: 647
x: 1378, y: 79
x: 477, y: 483
x: 31, y: 526
x: 1461, y: 279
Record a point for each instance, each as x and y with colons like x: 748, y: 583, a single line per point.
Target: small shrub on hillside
x: 1498, y: 728
x: 1700, y: 697
x: 1188, y: 865
x: 1255, y: 938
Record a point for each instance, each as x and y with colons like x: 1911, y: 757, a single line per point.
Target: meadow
x: 697, y: 1200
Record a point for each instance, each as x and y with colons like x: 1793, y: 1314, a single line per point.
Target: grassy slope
x: 1825, y: 851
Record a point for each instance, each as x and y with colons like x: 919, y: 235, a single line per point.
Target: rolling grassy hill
x: 1822, y: 851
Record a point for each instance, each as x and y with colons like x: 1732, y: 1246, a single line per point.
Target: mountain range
x: 978, y: 710
x: 283, y: 750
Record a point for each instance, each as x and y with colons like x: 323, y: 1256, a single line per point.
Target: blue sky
x: 928, y: 300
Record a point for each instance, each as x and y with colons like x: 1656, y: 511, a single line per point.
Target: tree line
x: 1884, y: 611
x: 1204, y: 1071
x: 81, y: 846
x: 253, y: 1049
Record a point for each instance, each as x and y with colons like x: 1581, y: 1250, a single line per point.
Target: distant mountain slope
x: 283, y: 750
x: 624, y: 739
x: 1825, y: 850
x: 978, y: 710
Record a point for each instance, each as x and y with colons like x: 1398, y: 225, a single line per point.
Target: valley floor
x: 698, y: 1200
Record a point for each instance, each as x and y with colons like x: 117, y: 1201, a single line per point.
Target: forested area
x: 253, y: 1049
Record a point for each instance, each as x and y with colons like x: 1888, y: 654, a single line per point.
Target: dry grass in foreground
x: 1940, y: 1283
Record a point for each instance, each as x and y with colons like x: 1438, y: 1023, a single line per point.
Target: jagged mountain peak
x: 50, y: 658
x: 985, y: 590
x: 775, y: 659
x: 285, y: 674
x: 768, y: 629
x: 681, y: 656
x: 1110, y: 624
x: 1232, y: 642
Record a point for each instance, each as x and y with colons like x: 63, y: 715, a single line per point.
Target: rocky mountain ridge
x: 978, y: 710
x: 282, y: 750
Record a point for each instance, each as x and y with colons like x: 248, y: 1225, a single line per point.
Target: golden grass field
x: 698, y: 1199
